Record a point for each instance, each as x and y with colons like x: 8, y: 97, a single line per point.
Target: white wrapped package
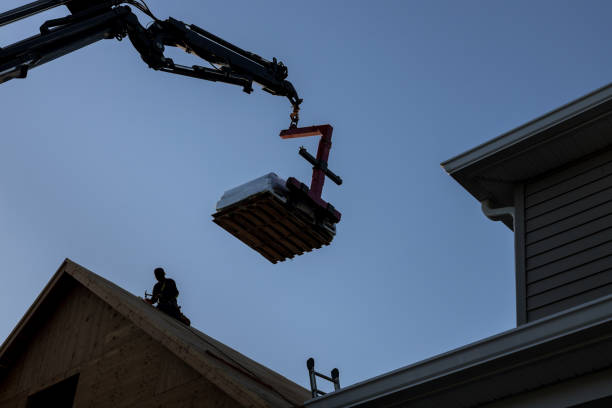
x: 275, y: 221
x: 270, y: 182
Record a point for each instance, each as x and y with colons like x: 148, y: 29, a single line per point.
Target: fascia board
x: 32, y: 310
x: 530, y: 335
x: 528, y: 130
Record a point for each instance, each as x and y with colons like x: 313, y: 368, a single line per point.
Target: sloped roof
x: 245, y: 380
x: 574, y: 130
x: 546, y: 352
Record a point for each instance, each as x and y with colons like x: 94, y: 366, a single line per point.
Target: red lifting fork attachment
x: 281, y: 219
x: 319, y: 169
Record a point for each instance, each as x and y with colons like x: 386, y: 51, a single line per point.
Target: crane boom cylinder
x: 29, y: 10
x: 94, y: 20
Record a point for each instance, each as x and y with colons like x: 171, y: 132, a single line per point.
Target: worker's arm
x: 107, y: 20
x: 156, y: 292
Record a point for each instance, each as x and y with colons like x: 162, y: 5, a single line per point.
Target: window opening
x: 60, y: 395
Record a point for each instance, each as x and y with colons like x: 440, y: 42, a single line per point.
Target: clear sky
x: 119, y: 167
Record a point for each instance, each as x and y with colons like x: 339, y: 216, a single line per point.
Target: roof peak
x: 245, y: 380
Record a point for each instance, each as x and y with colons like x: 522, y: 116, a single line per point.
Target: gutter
x: 507, y: 215
x: 528, y: 130
x: 507, y: 344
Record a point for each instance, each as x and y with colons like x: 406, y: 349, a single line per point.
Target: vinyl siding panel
x: 571, y: 289
x: 570, y: 197
x: 572, y: 184
x: 536, y: 258
x: 571, y: 210
x: 565, y: 174
x: 568, y: 236
x: 569, y: 302
x: 566, y: 277
x: 592, y: 215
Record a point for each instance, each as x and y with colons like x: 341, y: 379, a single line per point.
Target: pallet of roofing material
x: 281, y: 219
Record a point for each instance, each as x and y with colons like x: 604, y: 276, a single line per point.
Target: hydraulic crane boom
x: 92, y: 21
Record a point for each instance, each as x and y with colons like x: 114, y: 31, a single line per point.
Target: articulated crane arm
x: 92, y: 21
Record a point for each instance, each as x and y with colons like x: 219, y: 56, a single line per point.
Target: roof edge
x: 182, y: 351
x: 32, y: 309
x: 529, y: 129
x: 532, y: 334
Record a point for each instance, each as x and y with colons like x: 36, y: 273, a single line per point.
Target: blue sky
x: 119, y: 167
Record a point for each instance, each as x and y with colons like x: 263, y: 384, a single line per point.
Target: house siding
x: 568, y: 236
x: 118, y: 364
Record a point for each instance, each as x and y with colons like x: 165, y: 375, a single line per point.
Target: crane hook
x: 295, y: 117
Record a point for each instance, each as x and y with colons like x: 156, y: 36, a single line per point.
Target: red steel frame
x: 318, y: 172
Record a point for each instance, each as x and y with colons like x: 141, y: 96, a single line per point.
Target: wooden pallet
x: 275, y: 229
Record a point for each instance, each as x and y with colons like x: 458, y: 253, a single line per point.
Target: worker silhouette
x: 165, y: 294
